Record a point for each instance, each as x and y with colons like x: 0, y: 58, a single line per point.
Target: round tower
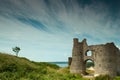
x: 76, y: 65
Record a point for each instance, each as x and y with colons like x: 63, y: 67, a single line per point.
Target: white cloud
x: 63, y: 22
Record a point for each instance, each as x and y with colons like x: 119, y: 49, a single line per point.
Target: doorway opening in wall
x: 88, y: 53
x: 89, y: 65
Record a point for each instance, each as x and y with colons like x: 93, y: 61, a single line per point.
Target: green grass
x: 19, y: 68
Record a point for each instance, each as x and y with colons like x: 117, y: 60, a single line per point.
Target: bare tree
x: 16, y: 50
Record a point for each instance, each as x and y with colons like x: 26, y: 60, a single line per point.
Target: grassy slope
x: 16, y: 68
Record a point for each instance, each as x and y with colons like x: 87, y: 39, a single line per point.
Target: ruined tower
x: 106, y: 58
x: 76, y: 65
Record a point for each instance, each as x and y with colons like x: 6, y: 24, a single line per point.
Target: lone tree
x: 16, y: 50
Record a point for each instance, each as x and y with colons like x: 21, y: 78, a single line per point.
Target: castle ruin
x: 106, y: 58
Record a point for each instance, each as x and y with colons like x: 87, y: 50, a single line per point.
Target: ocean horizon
x: 61, y: 64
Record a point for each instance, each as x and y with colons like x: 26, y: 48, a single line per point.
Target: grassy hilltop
x: 17, y: 68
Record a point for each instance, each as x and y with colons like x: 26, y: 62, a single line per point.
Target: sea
x: 61, y: 64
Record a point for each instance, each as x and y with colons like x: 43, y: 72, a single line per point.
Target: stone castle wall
x: 106, y: 58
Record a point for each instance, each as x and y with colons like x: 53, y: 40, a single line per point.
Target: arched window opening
x: 89, y: 53
x: 89, y: 64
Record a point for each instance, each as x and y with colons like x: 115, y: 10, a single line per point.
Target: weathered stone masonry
x: 106, y: 58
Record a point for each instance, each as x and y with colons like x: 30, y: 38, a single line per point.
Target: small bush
x: 45, y: 64
x: 117, y: 78
x: 9, y: 67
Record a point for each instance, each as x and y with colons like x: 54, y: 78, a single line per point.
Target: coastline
x: 61, y: 64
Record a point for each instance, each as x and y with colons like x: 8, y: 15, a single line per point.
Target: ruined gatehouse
x: 106, y: 58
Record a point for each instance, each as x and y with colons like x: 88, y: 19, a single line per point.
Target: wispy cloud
x: 46, y: 27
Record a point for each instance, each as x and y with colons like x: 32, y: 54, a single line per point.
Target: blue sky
x: 44, y: 29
